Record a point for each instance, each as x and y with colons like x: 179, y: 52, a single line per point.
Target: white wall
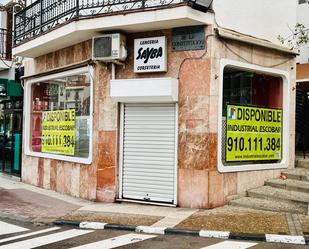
x: 3, y: 19
x: 5, y: 2
x: 303, y: 17
x: 260, y: 18
x: 8, y: 74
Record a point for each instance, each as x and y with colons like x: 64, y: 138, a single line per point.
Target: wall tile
x: 195, y: 78
x: 252, y: 179
x: 75, y: 180
x: 108, y: 115
x: 216, y: 189
x: 230, y: 184
x: 107, y: 149
x: 212, y: 150
x: 193, y: 151
x: 53, y: 175
x: 193, y: 188
x: 40, y: 172
x: 46, y: 181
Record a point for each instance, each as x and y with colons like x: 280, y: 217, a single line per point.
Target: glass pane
x: 1, y: 137
x: 8, y: 142
x: 70, y: 95
x: 247, y: 136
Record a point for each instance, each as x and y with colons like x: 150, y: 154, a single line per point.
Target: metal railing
x: 5, y: 44
x: 44, y: 15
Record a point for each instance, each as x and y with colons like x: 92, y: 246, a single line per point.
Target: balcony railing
x: 5, y: 44
x: 44, y: 15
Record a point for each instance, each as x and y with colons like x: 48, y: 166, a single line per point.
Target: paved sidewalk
x: 23, y: 201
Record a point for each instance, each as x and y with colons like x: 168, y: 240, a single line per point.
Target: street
x: 16, y: 235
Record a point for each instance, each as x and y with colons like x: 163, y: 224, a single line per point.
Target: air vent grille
x: 102, y: 46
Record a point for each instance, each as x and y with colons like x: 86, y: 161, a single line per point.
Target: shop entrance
x: 302, y: 119
x: 148, y: 153
x: 10, y: 137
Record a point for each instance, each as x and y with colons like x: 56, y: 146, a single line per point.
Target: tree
x: 298, y: 38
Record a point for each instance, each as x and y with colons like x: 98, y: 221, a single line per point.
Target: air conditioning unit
x: 109, y: 47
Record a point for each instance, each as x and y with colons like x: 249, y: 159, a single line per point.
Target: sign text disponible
x: 58, y: 132
x: 253, y: 134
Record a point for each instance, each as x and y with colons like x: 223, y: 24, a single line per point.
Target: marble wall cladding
x: 216, y: 196
x: 46, y: 176
x: 193, y: 188
x: 200, y: 185
x: 29, y: 170
x: 196, y: 144
x: 40, y: 172
x: 238, y: 183
x: 73, y: 178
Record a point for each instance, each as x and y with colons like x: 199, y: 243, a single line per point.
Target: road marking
x: 231, y: 245
x: 29, y: 234
x: 285, y: 239
x: 153, y: 230
x: 92, y: 225
x: 117, y: 241
x: 214, y: 234
x: 6, y: 228
x: 45, y: 240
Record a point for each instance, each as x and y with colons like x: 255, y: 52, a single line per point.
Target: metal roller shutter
x: 149, y: 152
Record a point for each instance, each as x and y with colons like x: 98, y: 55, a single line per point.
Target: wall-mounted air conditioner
x: 109, y: 47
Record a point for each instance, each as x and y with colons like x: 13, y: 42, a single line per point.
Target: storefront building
x: 186, y: 116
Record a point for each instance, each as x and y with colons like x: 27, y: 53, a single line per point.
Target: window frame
x: 285, y: 76
x: 27, y: 111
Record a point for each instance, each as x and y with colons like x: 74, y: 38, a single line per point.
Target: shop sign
x: 58, y: 132
x: 253, y: 134
x: 188, y: 38
x: 150, y: 55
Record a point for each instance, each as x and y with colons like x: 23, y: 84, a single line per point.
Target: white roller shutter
x: 149, y: 152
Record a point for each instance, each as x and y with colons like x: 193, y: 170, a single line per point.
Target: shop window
x: 60, y: 116
x: 252, y: 117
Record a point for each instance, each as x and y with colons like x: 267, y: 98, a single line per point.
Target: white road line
x: 6, y: 228
x: 117, y: 241
x: 231, y: 245
x: 285, y: 239
x: 45, y: 240
x: 214, y: 234
x: 29, y: 234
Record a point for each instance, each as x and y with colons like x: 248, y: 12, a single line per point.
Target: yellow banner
x: 58, y: 132
x: 253, y: 134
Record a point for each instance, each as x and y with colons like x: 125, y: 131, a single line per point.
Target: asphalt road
x: 22, y: 235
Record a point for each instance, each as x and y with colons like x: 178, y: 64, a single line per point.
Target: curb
x: 28, y: 219
x: 276, y: 238
x: 16, y: 217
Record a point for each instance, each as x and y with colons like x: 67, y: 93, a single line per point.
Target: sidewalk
x: 29, y: 203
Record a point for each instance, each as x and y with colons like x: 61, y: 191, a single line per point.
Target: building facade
x: 11, y: 98
x: 302, y: 81
x: 162, y: 125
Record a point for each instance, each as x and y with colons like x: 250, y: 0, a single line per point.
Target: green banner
x: 58, y: 132
x: 253, y: 134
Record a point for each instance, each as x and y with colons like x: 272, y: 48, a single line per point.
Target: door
x: 10, y: 141
x: 2, y: 123
x: 148, y: 156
